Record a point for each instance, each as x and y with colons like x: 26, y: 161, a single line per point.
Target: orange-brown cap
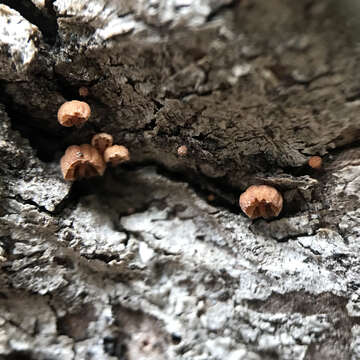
x: 261, y: 201
x: 83, y: 91
x: 101, y: 141
x: 81, y: 161
x: 182, y: 150
x: 315, y: 162
x: 116, y: 154
x: 73, y: 113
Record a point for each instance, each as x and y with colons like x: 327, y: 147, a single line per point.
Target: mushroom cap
x: 73, y: 113
x: 182, y: 150
x: 83, y: 91
x: 261, y: 201
x: 81, y: 161
x: 116, y: 154
x: 101, y: 141
x: 315, y: 162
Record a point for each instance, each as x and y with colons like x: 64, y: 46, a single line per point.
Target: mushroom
x: 102, y: 141
x: 261, y: 201
x: 182, y: 150
x: 73, y: 113
x: 81, y: 161
x: 315, y: 162
x: 83, y: 91
x: 116, y: 154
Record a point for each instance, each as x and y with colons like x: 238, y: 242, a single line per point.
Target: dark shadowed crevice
x: 114, y: 346
x: 41, y: 139
x: 214, y: 192
x: 18, y: 355
x: 46, y: 23
x: 222, y: 8
x: 7, y: 244
x: 339, y: 149
x: 44, y: 142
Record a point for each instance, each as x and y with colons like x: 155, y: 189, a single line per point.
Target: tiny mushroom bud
x: 81, y: 161
x: 83, y: 91
x: 101, y: 141
x: 261, y: 201
x: 73, y: 113
x: 315, y: 162
x: 116, y: 154
x: 182, y: 150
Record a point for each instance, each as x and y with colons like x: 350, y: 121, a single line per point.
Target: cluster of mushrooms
x: 84, y: 161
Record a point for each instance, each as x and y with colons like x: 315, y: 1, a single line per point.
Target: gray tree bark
x: 155, y: 260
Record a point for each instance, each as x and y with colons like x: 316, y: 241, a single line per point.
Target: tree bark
x: 155, y: 260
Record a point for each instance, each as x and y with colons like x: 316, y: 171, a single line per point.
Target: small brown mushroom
x: 83, y: 91
x: 81, y: 161
x: 261, y: 201
x: 101, y: 141
x: 73, y: 113
x: 182, y: 150
x: 315, y: 162
x: 116, y: 154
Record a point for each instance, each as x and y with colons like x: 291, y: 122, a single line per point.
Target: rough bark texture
x: 141, y: 263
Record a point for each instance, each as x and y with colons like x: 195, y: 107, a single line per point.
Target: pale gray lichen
x: 19, y: 44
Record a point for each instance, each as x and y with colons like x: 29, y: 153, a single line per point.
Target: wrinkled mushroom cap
x: 73, y: 113
x: 101, y: 141
x: 261, y: 201
x: 81, y: 161
x: 116, y: 154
